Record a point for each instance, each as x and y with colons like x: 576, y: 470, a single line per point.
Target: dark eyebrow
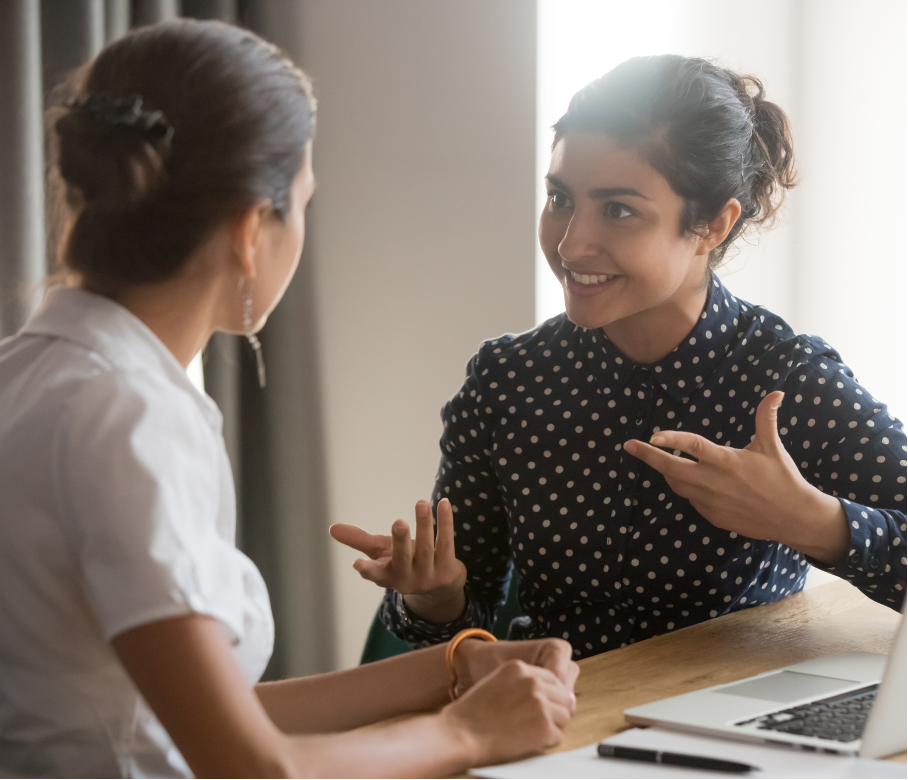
x: 600, y: 193
x: 556, y: 182
x: 613, y: 192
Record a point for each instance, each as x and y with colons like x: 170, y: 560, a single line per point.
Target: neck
x: 181, y: 312
x: 650, y: 335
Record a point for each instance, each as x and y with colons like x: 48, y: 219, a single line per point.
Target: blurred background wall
x: 422, y: 234
x: 432, y: 138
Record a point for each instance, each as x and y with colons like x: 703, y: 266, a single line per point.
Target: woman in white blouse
x: 132, y: 632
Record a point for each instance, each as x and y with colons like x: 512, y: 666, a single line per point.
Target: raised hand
x: 756, y: 491
x: 426, y: 571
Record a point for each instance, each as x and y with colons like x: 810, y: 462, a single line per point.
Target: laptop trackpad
x: 786, y: 686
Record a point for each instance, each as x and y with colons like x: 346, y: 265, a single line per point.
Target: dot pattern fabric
x: 534, y: 466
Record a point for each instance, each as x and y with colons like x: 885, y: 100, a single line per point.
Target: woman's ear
x: 720, y: 227
x: 245, y: 234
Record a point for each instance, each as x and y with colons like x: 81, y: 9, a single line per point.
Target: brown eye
x: 559, y: 200
x: 617, y: 210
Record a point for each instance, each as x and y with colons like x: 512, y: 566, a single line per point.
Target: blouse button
x: 854, y: 558
x: 874, y: 563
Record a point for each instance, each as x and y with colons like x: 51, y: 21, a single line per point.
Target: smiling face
x: 610, y: 233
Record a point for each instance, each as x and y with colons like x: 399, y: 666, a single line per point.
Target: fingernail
x: 657, y: 440
x: 398, y: 529
x: 631, y: 447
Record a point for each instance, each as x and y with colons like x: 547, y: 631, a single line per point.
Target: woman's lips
x: 589, y: 284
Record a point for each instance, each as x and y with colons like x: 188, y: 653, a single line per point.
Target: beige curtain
x: 274, y: 437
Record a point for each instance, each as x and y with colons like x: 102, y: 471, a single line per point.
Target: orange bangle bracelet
x: 452, y: 646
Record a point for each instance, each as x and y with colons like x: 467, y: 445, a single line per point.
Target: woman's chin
x: 582, y: 317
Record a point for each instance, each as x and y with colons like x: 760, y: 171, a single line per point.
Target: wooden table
x: 826, y: 619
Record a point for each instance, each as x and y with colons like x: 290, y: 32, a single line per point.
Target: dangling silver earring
x: 254, y: 342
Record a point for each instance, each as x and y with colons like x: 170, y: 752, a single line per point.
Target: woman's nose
x: 580, y: 239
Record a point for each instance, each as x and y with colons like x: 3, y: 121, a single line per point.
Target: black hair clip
x: 125, y: 111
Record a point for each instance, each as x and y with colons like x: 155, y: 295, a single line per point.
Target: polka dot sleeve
x: 466, y: 478
x: 847, y: 444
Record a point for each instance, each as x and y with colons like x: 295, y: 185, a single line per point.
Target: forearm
x: 424, y: 746
x: 818, y: 527
x: 186, y: 671
x: 875, y: 560
x: 339, y: 701
x: 858, y: 461
x: 406, y: 624
x: 443, y: 607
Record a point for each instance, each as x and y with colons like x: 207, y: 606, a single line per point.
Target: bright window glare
x: 579, y: 40
x: 196, y: 374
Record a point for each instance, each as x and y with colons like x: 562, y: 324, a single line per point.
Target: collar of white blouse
x: 103, y: 326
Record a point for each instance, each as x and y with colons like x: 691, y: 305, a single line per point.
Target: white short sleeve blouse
x: 117, y: 509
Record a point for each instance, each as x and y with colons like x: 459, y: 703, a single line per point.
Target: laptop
x: 850, y: 703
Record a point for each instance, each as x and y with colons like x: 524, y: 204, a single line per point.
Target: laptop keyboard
x: 840, y: 718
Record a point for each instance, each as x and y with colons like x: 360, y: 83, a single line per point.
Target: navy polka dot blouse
x: 534, y: 466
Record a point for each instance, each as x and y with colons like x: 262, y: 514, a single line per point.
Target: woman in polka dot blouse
x: 663, y: 452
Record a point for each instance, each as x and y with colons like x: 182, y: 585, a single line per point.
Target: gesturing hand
x: 757, y: 491
x: 426, y: 572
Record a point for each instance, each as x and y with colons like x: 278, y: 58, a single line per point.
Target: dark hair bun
x: 771, y: 153
x: 169, y: 131
x: 112, y: 165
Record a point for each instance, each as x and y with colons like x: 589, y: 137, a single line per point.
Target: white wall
x: 423, y: 228
x: 836, y: 264
x: 850, y: 211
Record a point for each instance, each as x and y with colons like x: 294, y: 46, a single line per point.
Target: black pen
x: 674, y: 759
